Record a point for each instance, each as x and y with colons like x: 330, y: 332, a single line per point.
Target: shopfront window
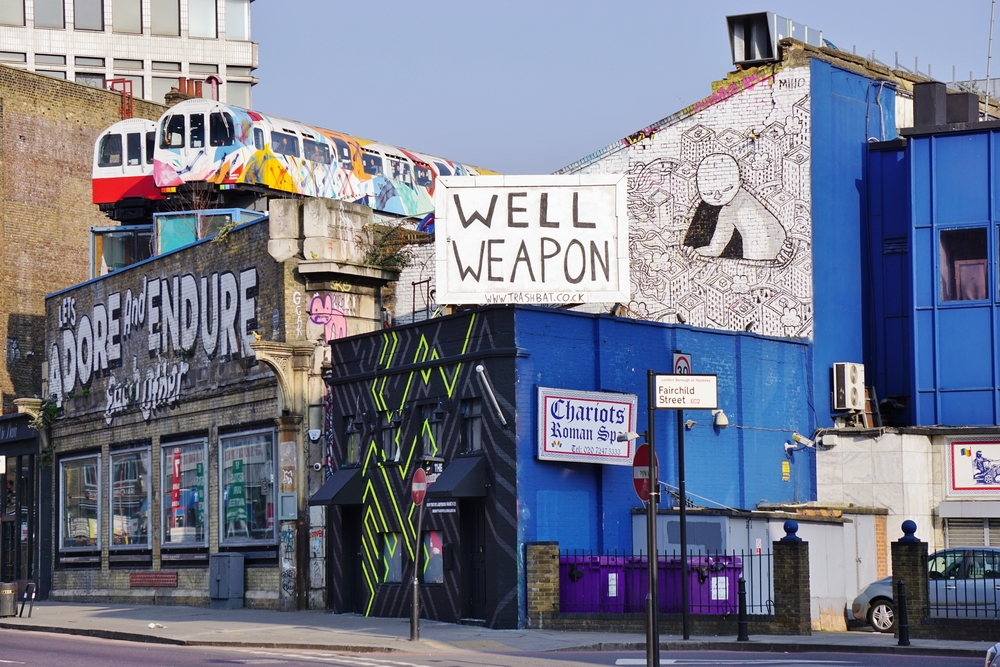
x: 433, y: 558
x: 963, y: 264
x: 18, y: 529
x: 130, y: 498
x: 247, y: 487
x: 392, y: 558
x: 184, y: 505
x: 79, y: 487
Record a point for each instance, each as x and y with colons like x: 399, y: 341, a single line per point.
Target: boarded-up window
x: 11, y: 12
x: 88, y: 14
x: 201, y: 19
x: 50, y: 14
x: 126, y: 16
x: 238, y: 19
x: 165, y: 17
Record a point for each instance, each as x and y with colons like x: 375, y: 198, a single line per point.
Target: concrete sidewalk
x: 198, y: 626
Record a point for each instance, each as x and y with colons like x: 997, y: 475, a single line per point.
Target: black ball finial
x: 909, y: 528
x: 791, y: 527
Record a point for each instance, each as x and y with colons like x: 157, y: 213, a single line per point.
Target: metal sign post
x: 417, y: 491
x: 679, y: 391
x: 652, y: 552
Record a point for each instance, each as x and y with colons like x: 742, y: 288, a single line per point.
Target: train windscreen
x: 110, y: 153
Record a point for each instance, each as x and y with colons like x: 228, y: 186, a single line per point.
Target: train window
x: 222, y: 129
x: 344, y: 154
x: 172, y: 132
x: 442, y: 169
x: 316, y: 152
x: 134, y: 145
x: 372, y: 164
x: 425, y: 178
x: 258, y: 138
x: 197, y: 130
x: 285, y: 144
x: 150, y: 146
x: 110, y: 154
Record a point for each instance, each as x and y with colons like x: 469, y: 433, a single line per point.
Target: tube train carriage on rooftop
x: 204, y: 146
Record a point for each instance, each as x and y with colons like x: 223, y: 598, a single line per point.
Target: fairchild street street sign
x: 692, y: 392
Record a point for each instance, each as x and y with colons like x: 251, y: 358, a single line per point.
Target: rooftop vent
x: 753, y: 38
x: 933, y: 105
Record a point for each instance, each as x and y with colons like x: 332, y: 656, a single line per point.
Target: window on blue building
x: 964, y: 266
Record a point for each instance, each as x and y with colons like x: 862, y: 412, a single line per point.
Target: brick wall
x: 791, y: 588
x: 909, y: 563
x: 47, y: 131
x: 543, y: 581
x: 881, y: 547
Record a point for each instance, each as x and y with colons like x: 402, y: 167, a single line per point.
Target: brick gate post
x: 542, y: 570
x: 909, y: 563
x: 791, y: 583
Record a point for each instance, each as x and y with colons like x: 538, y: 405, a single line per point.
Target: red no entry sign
x: 640, y: 472
x: 419, y: 488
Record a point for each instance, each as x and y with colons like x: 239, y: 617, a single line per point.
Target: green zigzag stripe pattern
x: 375, y: 519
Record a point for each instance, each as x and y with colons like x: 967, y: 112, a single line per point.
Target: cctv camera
x: 317, y: 466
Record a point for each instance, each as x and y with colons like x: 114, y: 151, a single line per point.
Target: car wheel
x: 882, y: 616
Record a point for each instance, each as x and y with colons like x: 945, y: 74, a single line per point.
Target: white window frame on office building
x: 95, y: 34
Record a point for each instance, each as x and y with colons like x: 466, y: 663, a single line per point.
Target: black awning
x: 463, y: 478
x: 345, y: 487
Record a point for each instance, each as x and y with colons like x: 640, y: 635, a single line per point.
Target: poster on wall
x: 975, y: 467
x: 583, y: 426
x: 532, y: 239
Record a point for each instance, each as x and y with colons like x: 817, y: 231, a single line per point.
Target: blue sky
x: 528, y: 86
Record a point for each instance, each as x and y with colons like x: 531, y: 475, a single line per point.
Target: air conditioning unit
x: 848, y: 387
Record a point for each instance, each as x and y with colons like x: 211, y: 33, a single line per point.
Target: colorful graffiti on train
x: 240, y: 147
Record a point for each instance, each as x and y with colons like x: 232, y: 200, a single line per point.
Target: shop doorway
x: 352, y: 584
x: 18, y: 519
x: 472, y: 517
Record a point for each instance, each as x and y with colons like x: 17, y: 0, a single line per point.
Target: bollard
x: 901, y: 623
x: 741, y: 623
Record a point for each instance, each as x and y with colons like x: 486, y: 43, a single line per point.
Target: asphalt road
x: 39, y: 649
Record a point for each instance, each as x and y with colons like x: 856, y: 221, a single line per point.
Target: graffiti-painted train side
x: 203, y: 142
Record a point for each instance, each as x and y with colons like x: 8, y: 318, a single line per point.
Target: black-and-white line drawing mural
x: 720, y: 209
x: 729, y: 222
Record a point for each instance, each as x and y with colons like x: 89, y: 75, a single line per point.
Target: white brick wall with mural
x: 719, y: 212
x: 720, y: 208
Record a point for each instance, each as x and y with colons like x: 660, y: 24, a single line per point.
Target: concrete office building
x: 151, y: 43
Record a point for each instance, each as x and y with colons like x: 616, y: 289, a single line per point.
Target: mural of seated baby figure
x: 729, y: 221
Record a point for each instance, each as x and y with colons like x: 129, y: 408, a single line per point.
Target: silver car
x: 962, y: 583
x: 993, y: 656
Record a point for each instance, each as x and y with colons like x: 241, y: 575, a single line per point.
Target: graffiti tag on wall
x: 330, y: 311
x: 175, y: 319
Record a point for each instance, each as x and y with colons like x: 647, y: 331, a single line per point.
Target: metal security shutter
x: 994, y: 532
x: 966, y: 533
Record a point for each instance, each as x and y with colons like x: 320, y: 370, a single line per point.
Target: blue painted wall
x: 847, y: 110
x: 763, y: 388
x: 888, y: 301
x: 952, y: 182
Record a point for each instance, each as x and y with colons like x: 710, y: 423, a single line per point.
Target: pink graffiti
x: 636, y: 137
x: 725, y: 92
x: 332, y: 319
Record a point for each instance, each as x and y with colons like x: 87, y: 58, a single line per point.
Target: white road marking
x: 12, y: 662
x: 338, y: 659
x: 697, y: 661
